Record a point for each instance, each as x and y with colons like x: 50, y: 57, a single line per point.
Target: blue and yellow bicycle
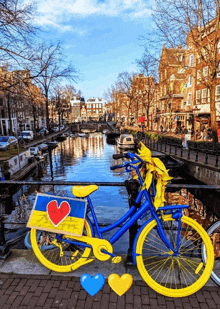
x: 167, y: 247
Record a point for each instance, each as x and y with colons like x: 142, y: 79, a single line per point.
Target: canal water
x: 89, y: 159
x: 79, y: 159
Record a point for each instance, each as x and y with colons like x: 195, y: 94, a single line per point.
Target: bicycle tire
x: 169, y: 275
x: 51, y: 258
x: 214, y: 233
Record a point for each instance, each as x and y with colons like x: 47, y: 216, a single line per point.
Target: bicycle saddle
x: 83, y: 191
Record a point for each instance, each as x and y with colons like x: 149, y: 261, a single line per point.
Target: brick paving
x: 52, y: 292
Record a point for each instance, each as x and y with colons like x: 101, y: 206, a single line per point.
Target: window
x: 190, y: 81
x: 204, y: 93
x: 191, y: 60
x: 198, y: 58
x: 189, y: 99
x: 180, y: 70
x: 198, y: 76
x: 204, y: 53
x: 218, y: 70
x: 180, y: 58
x: 218, y: 47
x: 205, y: 72
x: 217, y: 93
x: 165, y: 90
x: 198, y: 96
x: 208, y: 95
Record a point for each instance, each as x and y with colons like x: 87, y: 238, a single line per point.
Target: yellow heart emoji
x: 120, y: 285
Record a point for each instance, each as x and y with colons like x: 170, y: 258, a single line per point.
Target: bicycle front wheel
x: 59, y: 255
x: 170, y: 275
x: 214, y: 233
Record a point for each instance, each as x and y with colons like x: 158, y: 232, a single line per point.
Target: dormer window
x: 180, y: 58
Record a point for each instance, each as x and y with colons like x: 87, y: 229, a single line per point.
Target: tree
x: 197, y: 22
x: 124, y: 91
x: 147, y: 84
x: 50, y: 63
x: 16, y: 30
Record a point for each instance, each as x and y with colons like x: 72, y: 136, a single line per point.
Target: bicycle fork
x: 177, y: 217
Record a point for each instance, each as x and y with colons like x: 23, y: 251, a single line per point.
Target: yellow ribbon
x: 155, y: 168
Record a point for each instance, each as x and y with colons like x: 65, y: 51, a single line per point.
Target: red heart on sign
x: 57, y: 214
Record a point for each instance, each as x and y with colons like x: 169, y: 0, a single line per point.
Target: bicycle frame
x: 132, y: 215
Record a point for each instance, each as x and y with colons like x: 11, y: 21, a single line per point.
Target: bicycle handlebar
x: 129, y: 155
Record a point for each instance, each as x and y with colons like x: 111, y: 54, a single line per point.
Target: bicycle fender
x: 91, y: 226
x: 136, y: 238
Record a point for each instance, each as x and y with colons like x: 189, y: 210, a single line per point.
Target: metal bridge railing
x: 5, y: 245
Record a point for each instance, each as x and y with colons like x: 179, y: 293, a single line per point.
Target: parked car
x: 35, y: 151
x: 55, y: 129
x: 26, y: 136
x: 43, y: 131
x: 62, y: 127
x: 7, y: 141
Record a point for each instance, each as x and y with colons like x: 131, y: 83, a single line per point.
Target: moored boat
x: 126, y: 141
x: 52, y: 144
x: 43, y: 147
x: 83, y: 134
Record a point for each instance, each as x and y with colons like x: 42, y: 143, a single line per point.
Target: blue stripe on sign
x: 77, y: 207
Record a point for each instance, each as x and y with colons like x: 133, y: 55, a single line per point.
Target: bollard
x: 132, y: 187
x: 4, y: 248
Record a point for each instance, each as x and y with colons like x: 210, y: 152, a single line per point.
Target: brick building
x: 171, y: 88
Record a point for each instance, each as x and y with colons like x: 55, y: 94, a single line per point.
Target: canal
x: 89, y: 159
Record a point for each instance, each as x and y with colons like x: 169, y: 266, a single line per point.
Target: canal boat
x: 52, y: 144
x: 43, y: 147
x: 83, y: 134
x: 126, y: 141
x: 88, y: 130
x: 111, y: 136
x: 61, y: 138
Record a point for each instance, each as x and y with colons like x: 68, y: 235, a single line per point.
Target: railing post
x: 206, y: 158
x: 197, y: 154
x: 170, y: 147
x: 161, y: 145
x: 175, y: 150
x: 4, y: 248
x: 165, y: 147
x: 188, y: 154
x: 181, y: 152
x: 216, y: 162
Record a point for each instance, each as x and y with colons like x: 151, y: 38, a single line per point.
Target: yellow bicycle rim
x: 53, y: 258
x: 169, y: 275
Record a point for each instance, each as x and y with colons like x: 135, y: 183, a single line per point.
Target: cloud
x: 56, y: 13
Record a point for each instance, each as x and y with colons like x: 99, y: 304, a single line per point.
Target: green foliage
x: 170, y: 139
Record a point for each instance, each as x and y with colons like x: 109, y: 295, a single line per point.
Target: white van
x: 27, y: 136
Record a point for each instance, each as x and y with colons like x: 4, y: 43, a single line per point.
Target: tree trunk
x: 9, y: 115
x: 34, y: 116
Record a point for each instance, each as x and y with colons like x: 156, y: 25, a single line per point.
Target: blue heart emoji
x: 92, y: 284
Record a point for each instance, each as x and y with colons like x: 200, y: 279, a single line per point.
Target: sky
x: 101, y: 38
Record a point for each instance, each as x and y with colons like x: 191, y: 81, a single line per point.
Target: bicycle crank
x: 97, y: 245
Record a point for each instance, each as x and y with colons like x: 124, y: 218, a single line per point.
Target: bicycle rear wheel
x: 214, y: 233
x: 62, y: 256
x: 174, y: 276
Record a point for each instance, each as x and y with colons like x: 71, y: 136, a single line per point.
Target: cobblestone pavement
x: 47, y: 292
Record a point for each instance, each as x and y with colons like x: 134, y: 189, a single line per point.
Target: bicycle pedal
x: 116, y: 259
